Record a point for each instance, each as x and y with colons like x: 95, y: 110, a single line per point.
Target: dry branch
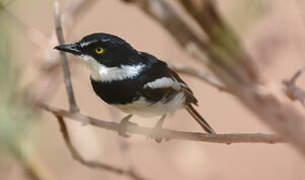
x: 65, y: 64
x: 167, y: 134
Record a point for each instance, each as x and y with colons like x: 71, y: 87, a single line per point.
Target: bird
x: 135, y: 82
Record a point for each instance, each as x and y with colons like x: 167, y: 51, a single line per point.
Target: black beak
x: 71, y: 48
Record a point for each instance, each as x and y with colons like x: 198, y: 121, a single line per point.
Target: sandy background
x: 273, y: 33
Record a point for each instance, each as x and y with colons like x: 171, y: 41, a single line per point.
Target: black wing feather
x: 164, y: 71
x: 168, y: 92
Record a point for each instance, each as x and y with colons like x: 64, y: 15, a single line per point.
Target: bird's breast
x: 116, y: 92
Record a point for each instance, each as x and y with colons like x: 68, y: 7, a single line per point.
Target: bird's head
x: 108, y: 57
x: 105, y: 49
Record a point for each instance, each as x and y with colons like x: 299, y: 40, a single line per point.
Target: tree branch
x: 167, y: 134
x: 65, y: 64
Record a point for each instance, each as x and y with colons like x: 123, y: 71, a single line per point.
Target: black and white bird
x: 135, y: 82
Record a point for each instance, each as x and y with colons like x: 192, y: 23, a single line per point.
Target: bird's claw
x: 123, y: 126
x: 155, y: 132
x: 154, y: 136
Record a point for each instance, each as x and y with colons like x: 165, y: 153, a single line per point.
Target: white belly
x: 143, y: 108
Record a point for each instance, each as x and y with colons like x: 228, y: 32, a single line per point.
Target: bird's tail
x: 200, y: 119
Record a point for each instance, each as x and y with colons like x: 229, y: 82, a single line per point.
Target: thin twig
x: 92, y: 164
x: 65, y: 64
x: 292, y: 90
x: 165, y: 133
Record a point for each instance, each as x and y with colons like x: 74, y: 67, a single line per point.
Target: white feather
x: 143, y: 108
x: 103, y: 73
x: 164, y: 82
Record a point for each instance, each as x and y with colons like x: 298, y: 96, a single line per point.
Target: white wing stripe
x: 164, y: 82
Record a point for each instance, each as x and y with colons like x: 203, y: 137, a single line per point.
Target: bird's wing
x: 162, y: 83
x: 190, y: 98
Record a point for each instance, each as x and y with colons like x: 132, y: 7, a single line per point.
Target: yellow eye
x: 99, y: 50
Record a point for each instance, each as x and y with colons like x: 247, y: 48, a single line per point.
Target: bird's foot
x: 123, y: 126
x: 155, y: 132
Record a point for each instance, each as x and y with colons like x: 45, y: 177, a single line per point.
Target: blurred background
x: 30, y: 141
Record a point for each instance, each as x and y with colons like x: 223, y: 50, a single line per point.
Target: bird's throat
x: 100, y: 72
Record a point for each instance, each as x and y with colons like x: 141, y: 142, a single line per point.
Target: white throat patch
x: 100, y: 72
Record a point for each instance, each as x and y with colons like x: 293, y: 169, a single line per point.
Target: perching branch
x: 92, y: 164
x: 164, y: 133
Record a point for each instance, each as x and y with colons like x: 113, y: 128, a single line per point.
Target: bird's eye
x: 99, y: 50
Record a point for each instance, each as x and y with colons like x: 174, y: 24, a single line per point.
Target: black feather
x: 203, y: 123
